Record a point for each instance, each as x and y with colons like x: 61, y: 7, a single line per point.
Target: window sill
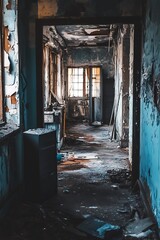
x: 7, y: 131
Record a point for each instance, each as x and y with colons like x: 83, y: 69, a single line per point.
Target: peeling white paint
x: 10, y: 90
x: 11, y: 63
x: 6, y: 61
x: 10, y: 19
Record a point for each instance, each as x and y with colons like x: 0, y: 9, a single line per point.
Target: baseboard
x: 146, y: 202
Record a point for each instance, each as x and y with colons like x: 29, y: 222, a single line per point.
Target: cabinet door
x: 47, y: 161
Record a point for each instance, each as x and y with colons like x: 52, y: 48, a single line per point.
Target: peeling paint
x: 9, y: 6
x: 11, y: 61
x: 13, y: 99
x: 6, y: 62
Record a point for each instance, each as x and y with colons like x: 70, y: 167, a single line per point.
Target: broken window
x: 1, y: 71
x: 78, y: 83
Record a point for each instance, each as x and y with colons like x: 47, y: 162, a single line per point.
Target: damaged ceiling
x: 81, y: 35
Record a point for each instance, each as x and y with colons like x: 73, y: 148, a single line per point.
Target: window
x: 78, y: 82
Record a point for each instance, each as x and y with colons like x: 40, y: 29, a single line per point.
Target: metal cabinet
x: 40, y: 165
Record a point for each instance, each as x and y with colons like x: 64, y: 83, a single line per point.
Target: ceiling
x: 83, y: 35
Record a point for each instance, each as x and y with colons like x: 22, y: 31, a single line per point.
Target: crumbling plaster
x: 11, y: 62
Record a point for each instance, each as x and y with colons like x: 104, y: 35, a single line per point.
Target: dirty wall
x: 89, y: 8
x: 11, y: 66
x: 150, y: 107
x: 121, y: 107
x: 11, y: 170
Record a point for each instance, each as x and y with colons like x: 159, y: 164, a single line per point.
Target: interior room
x: 79, y: 119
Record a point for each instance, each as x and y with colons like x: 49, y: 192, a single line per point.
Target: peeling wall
x: 131, y: 63
x: 150, y: 106
x: 11, y: 164
x: 121, y: 116
x: 118, y: 118
x: 11, y: 61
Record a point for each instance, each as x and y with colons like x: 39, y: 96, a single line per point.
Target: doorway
x: 134, y: 66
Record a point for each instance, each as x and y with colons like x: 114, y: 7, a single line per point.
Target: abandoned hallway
x: 79, y: 119
x: 94, y: 184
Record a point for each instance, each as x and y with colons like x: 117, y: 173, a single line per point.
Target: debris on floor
x: 94, y: 184
x: 139, y: 228
x: 120, y: 176
x: 99, y: 229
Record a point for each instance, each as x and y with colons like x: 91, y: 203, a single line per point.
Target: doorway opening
x: 90, y: 73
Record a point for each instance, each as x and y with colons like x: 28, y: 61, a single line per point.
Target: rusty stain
x: 7, y: 45
x: 9, y: 6
x: 6, y: 109
x: 13, y: 99
x: 72, y: 164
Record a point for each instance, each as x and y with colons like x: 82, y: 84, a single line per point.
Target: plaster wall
x: 131, y: 91
x: 94, y: 56
x: 118, y: 88
x: 11, y: 62
x: 11, y: 170
x: 150, y: 107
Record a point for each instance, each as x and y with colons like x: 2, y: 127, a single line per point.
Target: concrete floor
x: 94, y: 180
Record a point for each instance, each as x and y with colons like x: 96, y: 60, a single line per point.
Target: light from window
x: 78, y: 83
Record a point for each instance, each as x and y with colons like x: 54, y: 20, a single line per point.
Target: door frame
x: 136, y: 21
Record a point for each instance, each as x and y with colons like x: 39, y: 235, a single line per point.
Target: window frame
x: 84, y: 92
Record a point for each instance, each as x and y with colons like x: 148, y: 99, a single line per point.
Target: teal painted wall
x: 28, y: 11
x: 150, y: 107
x: 11, y: 170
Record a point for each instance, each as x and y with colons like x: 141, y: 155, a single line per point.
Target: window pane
x: 75, y: 82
